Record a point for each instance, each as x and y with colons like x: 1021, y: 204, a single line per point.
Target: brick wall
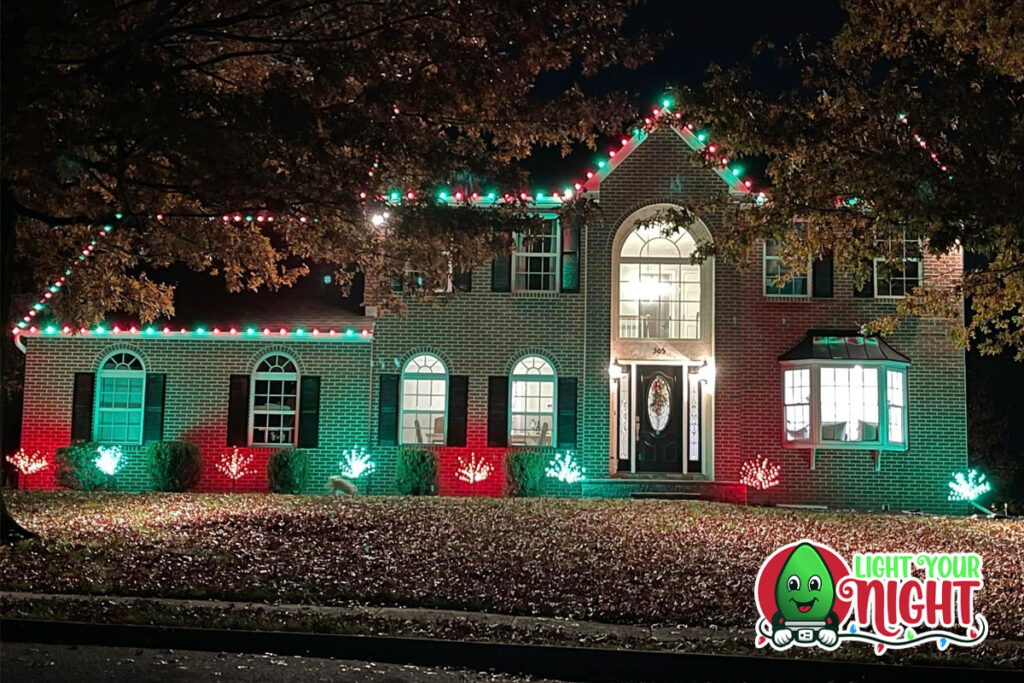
x: 196, y: 400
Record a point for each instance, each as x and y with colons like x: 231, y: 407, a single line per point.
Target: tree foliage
x: 848, y: 174
x: 189, y: 110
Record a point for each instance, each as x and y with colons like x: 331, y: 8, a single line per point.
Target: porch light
x: 706, y: 374
x: 614, y: 370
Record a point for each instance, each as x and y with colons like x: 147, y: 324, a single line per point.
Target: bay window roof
x: 843, y: 345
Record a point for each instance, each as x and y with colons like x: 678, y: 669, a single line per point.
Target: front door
x: 659, y: 412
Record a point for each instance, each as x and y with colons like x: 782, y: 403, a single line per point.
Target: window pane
x: 849, y: 404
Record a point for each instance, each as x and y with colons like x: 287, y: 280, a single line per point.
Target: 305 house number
x: 660, y: 351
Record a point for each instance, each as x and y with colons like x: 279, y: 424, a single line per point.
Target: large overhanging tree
x: 909, y: 123
x: 172, y: 113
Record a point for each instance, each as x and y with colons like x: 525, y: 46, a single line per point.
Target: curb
x: 546, y: 661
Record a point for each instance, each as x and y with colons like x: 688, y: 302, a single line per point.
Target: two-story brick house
x: 661, y: 374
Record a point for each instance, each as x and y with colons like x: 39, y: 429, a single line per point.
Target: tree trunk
x: 10, y: 530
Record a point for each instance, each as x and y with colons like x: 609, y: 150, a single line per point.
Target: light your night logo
x: 808, y: 596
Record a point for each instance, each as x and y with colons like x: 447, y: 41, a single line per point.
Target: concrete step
x: 666, y: 495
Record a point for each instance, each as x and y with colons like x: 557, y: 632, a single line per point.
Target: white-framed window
x: 274, y: 402
x: 120, y: 401
x: 424, y: 400
x: 844, y: 404
x: 797, y: 402
x: 532, y: 403
x: 535, y: 260
x: 659, y: 289
x: 900, y: 271
x: 798, y: 284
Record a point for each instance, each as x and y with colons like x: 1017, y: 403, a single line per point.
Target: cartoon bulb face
x: 805, y: 590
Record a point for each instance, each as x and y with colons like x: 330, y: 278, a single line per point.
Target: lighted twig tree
x: 969, y: 487
x: 28, y: 464
x: 564, y: 468
x: 759, y: 473
x: 473, y: 471
x: 235, y: 465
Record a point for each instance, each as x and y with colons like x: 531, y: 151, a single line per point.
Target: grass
x: 647, y: 562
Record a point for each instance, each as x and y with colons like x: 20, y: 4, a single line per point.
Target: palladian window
x: 659, y: 289
x: 532, y: 405
x: 844, y: 391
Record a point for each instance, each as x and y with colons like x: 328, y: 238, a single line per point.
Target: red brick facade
x: 482, y: 333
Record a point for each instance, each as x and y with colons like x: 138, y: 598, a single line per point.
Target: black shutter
x: 238, y: 411
x: 821, y: 277
x: 571, y: 255
x: 81, y: 406
x: 458, y: 408
x: 567, y: 412
x: 463, y: 281
x: 497, y: 411
x: 397, y: 283
x: 387, y: 411
x: 868, y: 290
x: 501, y: 273
x: 309, y: 412
x: 153, y: 419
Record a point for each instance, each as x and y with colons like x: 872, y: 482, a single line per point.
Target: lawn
x: 620, y: 561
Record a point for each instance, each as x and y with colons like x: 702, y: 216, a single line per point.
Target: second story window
x: 898, y: 271
x: 780, y: 279
x: 535, y: 261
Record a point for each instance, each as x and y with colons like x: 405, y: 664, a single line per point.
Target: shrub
x: 417, y: 472
x: 76, y: 467
x: 286, y: 470
x: 174, y: 465
x: 524, y: 473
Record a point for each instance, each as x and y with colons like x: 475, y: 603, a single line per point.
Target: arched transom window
x: 121, y: 401
x: 532, y: 405
x: 659, y: 289
x: 424, y: 400
x: 274, y: 401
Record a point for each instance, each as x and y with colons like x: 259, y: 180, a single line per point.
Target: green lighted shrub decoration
x: 565, y: 469
x: 416, y: 474
x: 969, y: 487
x: 524, y: 473
x: 356, y: 462
x: 174, y: 465
x: 76, y: 467
x: 286, y: 470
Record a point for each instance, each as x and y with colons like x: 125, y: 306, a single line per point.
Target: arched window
x: 424, y: 400
x: 121, y: 401
x: 274, y: 401
x: 532, y: 405
x: 659, y: 289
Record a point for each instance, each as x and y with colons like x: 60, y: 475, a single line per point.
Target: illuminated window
x: 532, y: 405
x: 659, y: 289
x: 797, y: 284
x: 797, y: 402
x: 121, y: 401
x: 849, y: 404
x: 896, y: 403
x: 899, y: 271
x: 535, y: 261
x: 424, y: 400
x: 274, y: 401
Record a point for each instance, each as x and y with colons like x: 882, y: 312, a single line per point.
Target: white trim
x: 433, y: 376
x: 553, y: 380
x: 275, y: 376
x: 920, y: 271
x: 98, y: 397
x: 556, y: 256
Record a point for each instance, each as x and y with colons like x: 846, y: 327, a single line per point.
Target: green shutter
x: 567, y: 402
x: 458, y: 409
x: 81, y: 406
x: 153, y: 418
x: 238, y: 411
x: 309, y: 412
x: 501, y: 273
x: 387, y: 411
x: 571, y: 255
x: 463, y: 281
x: 497, y: 411
x: 821, y: 278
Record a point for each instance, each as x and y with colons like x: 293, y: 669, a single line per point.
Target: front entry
x: 660, y: 418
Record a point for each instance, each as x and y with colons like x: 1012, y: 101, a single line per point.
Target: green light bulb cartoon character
x: 805, y: 595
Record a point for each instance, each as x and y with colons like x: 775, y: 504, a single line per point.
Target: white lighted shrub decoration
x: 110, y: 460
x: 234, y: 466
x: 28, y: 464
x: 473, y: 471
x: 564, y: 468
x: 759, y: 473
x: 969, y: 487
x: 356, y: 463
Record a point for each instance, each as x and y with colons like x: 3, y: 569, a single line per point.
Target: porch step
x: 666, y: 495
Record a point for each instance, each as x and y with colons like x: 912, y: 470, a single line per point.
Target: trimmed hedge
x: 174, y: 465
x: 286, y: 470
x: 76, y: 468
x: 416, y: 474
x: 524, y: 473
